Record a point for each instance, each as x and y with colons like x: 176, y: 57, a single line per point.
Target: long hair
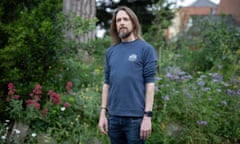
x: 137, y: 31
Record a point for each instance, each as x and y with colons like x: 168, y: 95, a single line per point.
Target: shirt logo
x: 132, y: 57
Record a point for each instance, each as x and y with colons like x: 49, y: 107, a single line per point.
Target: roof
x: 203, y: 3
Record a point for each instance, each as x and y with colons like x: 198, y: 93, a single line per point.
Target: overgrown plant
x: 213, y: 40
x: 53, y: 117
x: 196, y: 109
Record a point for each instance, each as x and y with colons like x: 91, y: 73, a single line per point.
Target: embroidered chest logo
x: 132, y: 57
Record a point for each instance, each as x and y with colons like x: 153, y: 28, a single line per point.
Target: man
x: 128, y: 89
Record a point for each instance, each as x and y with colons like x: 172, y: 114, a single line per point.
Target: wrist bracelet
x: 148, y: 113
x: 103, y: 108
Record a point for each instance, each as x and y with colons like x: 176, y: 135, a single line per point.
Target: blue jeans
x: 124, y: 130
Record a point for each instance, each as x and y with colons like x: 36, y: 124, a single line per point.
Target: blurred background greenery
x: 197, y: 83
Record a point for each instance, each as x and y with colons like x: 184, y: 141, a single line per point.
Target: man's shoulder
x: 144, y: 43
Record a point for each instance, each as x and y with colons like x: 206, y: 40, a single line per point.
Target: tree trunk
x: 83, y: 8
x: 86, y: 9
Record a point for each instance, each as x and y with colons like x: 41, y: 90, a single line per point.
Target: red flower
x: 37, y: 98
x: 31, y: 102
x: 66, y: 105
x: 55, y: 97
x: 38, y: 89
x: 45, y: 111
x: 11, y: 89
x: 10, y: 86
x: 11, y: 92
x: 16, y: 97
x: 37, y: 105
x: 68, y: 86
x: 7, y: 99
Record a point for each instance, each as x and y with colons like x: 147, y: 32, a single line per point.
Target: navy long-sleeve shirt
x: 128, y: 67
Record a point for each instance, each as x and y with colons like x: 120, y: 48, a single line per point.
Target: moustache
x: 122, y: 28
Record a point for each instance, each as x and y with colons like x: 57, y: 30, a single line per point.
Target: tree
x: 82, y: 12
x: 213, y: 41
x: 162, y: 20
x: 141, y: 7
x: 86, y: 9
x: 32, y: 38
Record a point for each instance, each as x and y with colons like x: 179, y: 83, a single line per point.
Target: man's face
x: 124, y: 24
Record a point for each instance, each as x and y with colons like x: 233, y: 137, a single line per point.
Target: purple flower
x: 181, y: 73
x: 171, y: 76
x: 231, y: 92
x: 201, y: 83
x: 206, y: 89
x: 158, y: 78
x: 224, y: 102
x: 217, y: 76
x: 166, y: 98
x: 186, y: 77
x: 202, y: 122
x: 238, y: 92
x: 189, y: 95
x: 156, y: 88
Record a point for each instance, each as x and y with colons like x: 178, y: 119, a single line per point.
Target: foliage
x: 214, y: 41
x: 197, y: 90
x: 97, y: 48
x: 156, y: 33
x: 36, y: 47
x: 55, y: 118
x: 196, y: 109
x: 32, y: 41
x: 35, y: 106
x: 141, y: 8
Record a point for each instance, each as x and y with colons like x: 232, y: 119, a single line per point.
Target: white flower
x: 7, y: 121
x: 63, y: 108
x: 17, y: 131
x: 3, y: 137
x: 34, y: 134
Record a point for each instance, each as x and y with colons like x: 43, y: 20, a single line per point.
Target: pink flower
x: 31, y: 94
x: 55, y: 97
x: 66, y: 105
x: 38, y: 89
x: 10, y: 92
x: 31, y: 102
x: 11, y: 89
x: 37, y: 98
x: 45, y: 111
x: 7, y: 99
x: 37, y: 105
x: 69, y: 86
x: 16, y: 97
x: 10, y: 86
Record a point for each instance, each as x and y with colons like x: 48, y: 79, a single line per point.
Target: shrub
x: 196, y: 109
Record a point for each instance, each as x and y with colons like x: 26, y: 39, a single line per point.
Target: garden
x: 50, y: 94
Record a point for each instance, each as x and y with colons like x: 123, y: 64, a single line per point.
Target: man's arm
x: 146, y: 126
x: 103, y: 124
x: 149, y: 96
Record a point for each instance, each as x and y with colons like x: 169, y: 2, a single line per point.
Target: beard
x: 123, y: 35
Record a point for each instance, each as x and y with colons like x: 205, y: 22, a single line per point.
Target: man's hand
x: 146, y: 128
x: 103, y: 123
